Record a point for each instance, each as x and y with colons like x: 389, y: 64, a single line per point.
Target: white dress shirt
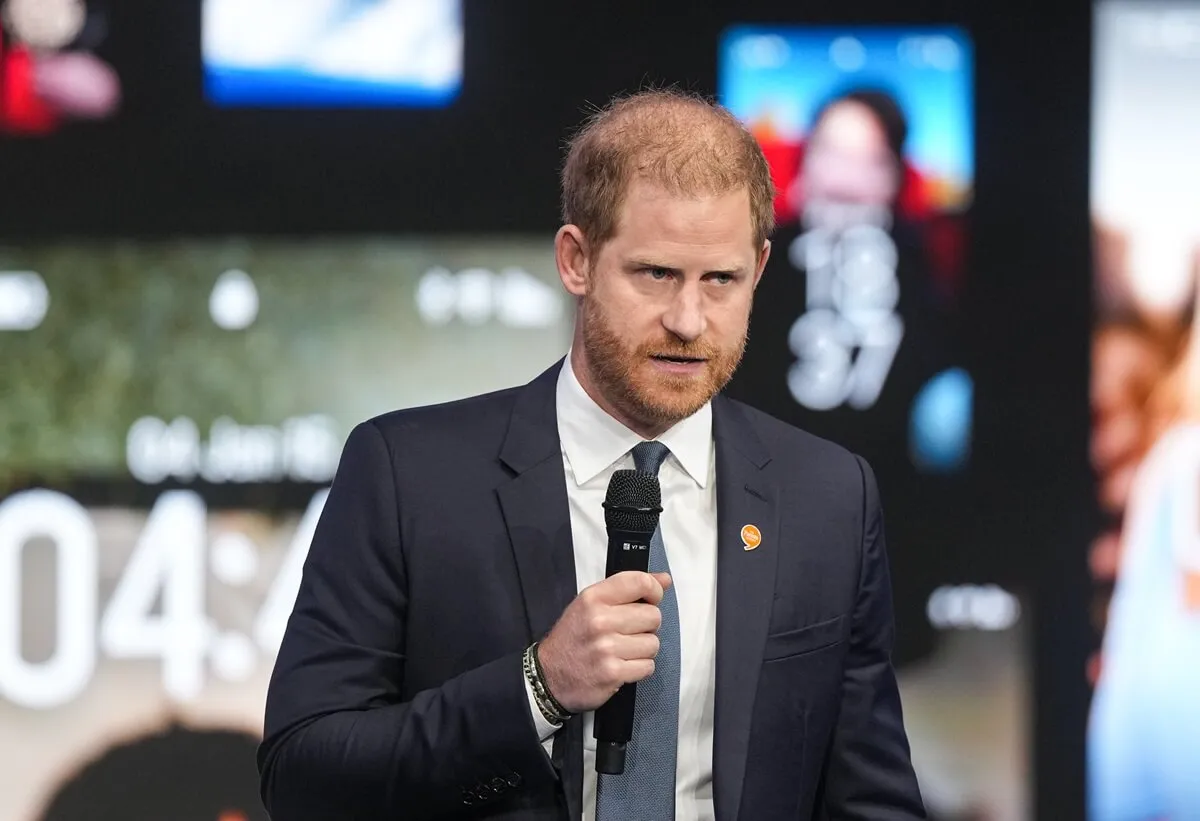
x: 594, y: 445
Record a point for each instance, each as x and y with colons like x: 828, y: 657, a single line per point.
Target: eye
x: 657, y: 273
x: 721, y: 279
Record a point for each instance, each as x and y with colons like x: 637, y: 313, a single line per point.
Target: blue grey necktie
x: 646, y: 790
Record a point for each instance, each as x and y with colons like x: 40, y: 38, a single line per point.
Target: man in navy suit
x: 454, y: 631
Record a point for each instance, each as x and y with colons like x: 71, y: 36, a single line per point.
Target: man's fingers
x: 638, y: 617
x: 637, y: 670
x: 631, y: 586
x: 633, y: 648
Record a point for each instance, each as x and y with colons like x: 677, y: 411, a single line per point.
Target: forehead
x: 653, y: 218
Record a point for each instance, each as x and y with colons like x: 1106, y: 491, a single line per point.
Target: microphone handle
x: 613, y: 724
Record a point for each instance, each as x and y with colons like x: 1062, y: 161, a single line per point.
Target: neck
x: 583, y: 373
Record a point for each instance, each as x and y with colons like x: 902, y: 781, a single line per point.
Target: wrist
x: 547, y: 704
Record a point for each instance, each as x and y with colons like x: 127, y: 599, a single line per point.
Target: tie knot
x: 649, y: 456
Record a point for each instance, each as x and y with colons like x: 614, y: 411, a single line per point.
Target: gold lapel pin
x: 751, y: 537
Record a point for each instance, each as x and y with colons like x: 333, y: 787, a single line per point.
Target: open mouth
x: 680, y: 360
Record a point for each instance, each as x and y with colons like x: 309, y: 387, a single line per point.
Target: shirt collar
x: 593, y: 441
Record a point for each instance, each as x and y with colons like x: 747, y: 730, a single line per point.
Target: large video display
x: 171, y: 416
x: 857, y: 336
x: 1145, y: 717
x: 219, y: 251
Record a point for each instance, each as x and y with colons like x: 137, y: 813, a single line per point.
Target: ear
x: 571, y: 256
x: 763, y: 256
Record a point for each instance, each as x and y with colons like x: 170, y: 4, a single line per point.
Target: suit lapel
x: 538, y: 520
x: 745, y: 590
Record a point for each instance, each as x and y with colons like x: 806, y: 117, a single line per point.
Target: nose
x: 685, y: 316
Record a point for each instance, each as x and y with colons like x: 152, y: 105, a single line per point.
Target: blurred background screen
x: 171, y: 415
x: 332, y: 52
x: 1145, y: 561
x: 255, y: 332
x: 232, y: 229
x: 869, y: 132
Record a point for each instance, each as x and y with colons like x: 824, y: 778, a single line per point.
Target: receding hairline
x: 671, y: 122
x: 680, y: 141
x: 639, y: 108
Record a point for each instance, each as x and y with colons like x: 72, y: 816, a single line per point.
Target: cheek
x: 640, y: 328
x: 729, y: 320
x: 630, y: 314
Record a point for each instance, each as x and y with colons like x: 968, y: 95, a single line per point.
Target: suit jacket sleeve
x: 339, y: 740
x: 869, y: 775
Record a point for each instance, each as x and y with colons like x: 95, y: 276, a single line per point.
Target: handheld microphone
x: 631, y: 509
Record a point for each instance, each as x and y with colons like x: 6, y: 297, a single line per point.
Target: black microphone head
x: 633, y: 502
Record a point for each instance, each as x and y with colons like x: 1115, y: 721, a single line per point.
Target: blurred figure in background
x: 1139, y: 386
x: 1146, y: 448
x: 181, y: 774
x: 853, y: 163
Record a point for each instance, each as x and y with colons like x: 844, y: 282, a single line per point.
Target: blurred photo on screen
x: 173, y: 412
x: 51, y: 70
x: 869, y: 135
x: 857, y: 337
x: 405, y: 53
x: 1145, y: 447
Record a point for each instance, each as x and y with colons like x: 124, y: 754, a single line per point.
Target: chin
x: 672, y: 403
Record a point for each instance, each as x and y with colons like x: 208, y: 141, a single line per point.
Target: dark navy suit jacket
x: 445, y: 548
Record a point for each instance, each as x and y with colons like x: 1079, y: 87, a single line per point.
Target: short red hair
x: 683, y: 142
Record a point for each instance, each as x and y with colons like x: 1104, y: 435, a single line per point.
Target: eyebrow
x: 638, y: 264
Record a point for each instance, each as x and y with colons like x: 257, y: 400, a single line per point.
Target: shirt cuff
x: 544, y: 728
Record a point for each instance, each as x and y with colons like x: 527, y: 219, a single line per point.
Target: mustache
x: 678, y: 349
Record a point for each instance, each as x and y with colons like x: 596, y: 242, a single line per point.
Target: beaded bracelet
x: 551, y: 710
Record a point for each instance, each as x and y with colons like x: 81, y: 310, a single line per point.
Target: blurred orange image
x: 1145, y: 380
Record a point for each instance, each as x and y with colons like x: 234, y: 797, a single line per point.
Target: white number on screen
x: 827, y: 373
x: 879, y: 342
x: 272, y: 618
x: 60, y: 678
x: 846, y: 342
x: 157, y: 610
x: 823, y: 341
x: 168, y: 560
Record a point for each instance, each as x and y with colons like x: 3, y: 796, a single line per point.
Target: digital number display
x: 172, y: 415
x: 859, y: 336
x: 158, y: 609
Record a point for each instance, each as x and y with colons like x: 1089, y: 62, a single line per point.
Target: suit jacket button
x: 498, y: 785
x: 513, y: 780
x: 468, y: 797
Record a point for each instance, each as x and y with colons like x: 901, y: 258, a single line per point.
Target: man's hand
x: 605, y: 638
